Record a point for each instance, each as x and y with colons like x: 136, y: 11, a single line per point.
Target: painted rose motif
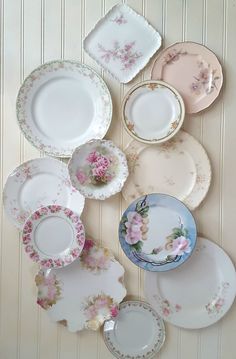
x: 49, y: 290
x: 134, y: 228
x: 94, y: 257
x: 99, y: 308
x: 126, y: 55
x: 119, y: 20
x: 100, y: 168
x: 216, y: 304
x: 167, y: 308
x: 181, y: 245
x: 205, y: 81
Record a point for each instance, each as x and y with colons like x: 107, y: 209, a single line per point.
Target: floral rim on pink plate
x: 98, y: 169
x: 67, y: 256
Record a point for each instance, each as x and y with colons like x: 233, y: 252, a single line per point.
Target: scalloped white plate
x: 198, y: 293
x: 98, y: 169
x: 85, y: 293
x: 122, y: 42
x: 38, y: 183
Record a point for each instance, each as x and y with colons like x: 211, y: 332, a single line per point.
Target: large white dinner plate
x: 38, y: 183
x: 152, y: 111
x: 85, y: 293
x: 61, y: 105
x: 198, y: 293
x: 137, y: 332
x: 179, y: 167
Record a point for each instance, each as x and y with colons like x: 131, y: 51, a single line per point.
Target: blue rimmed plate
x: 157, y: 232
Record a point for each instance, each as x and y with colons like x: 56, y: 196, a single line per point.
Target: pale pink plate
x: 193, y: 70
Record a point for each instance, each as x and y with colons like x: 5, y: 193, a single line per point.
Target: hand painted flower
x: 92, y: 157
x: 133, y: 228
x: 204, y: 75
x: 114, y: 311
x: 99, y: 171
x: 180, y: 246
x: 103, y: 161
x: 88, y: 244
x: 81, y: 176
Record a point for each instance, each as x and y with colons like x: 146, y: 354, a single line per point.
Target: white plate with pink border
x: 122, y: 42
x: 193, y: 70
x: 38, y: 183
x: 53, y: 236
x: 198, y: 293
x: 84, y: 294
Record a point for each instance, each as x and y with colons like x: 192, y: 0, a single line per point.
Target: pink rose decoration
x: 92, y: 157
x: 133, y: 225
x: 81, y: 177
x: 166, y: 312
x: 181, y: 245
x: 99, y: 171
x: 114, y: 311
x: 88, y: 244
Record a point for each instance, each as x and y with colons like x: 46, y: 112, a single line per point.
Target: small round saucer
x: 98, y: 169
x: 137, y: 331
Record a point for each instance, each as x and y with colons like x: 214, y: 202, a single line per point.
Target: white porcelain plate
x: 152, y: 112
x: 122, y: 42
x: 38, y: 183
x: 198, y: 293
x: 98, y: 169
x: 179, y: 167
x: 61, y: 105
x: 53, y: 236
x: 137, y: 332
x: 85, y: 293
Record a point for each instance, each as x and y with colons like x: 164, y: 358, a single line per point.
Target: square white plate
x: 122, y: 42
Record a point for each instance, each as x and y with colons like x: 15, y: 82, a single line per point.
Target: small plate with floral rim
x: 157, y: 232
x: 53, y: 236
x: 208, y: 281
x: 98, y: 169
x: 152, y: 111
x: 193, y: 70
x: 136, y: 333
x: 61, y: 105
x: 122, y: 42
x: 180, y: 167
x: 38, y: 183
x: 86, y: 293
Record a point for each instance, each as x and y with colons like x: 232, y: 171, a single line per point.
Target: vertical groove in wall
x: 1, y: 147
x: 62, y: 29
x: 21, y: 62
x: 222, y: 143
x: 204, y: 39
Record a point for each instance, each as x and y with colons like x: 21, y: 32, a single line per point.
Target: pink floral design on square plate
x: 126, y: 55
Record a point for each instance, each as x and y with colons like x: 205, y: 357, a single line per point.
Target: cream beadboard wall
x: 35, y: 31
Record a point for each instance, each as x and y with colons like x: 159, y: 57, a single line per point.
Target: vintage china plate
x: 38, y: 183
x: 208, y: 282
x: 98, y: 169
x: 85, y: 293
x: 122, y: 42
x: 137, y: 332
x: 61, y: 105
x: 193, y: 70
x: 53, y: 236
x: 152, y: 111
x: 179, y: 167
x: 157, y: 232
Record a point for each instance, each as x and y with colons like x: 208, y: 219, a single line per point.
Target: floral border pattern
x: 159, y: 340
x: 28, y: 237
x: 215, y: 306
x: 49, y: 289
x: 53, y: 67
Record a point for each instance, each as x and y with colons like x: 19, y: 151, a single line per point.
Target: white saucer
x: 137, y: 331
x: 153, y: 111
